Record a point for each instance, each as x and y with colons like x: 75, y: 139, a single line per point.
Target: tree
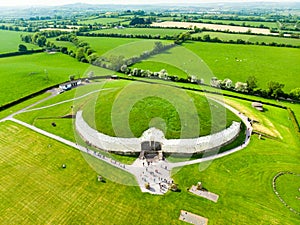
x: 116, y: 62
x: 80, y: 54
x: 295, y: 93
x: 226, y: 83
x: 251, y: 83
x: 136, y: 21
x: 241, y: 87
x: 275, y: 89
x: 22, y: 48
x: 158, y: 46
x: 72, y: 77
x: 41, y: 41
x: 206, y: 37
x: 124, y: 68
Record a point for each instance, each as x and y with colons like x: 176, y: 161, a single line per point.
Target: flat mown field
x: 23, y: 75
x: 10, y: 41
x: 142, y: 31
x: 35, y: 189
x: 251, y: 38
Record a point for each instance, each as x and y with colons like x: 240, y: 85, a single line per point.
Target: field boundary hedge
x: 27, y: 97
x: 11, y: 54
x: 294, y: 121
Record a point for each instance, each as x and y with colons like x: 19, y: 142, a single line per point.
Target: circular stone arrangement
x: 280, y: 174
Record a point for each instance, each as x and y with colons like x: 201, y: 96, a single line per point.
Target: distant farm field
x: 251, y: 38
x: 32, y: 73
x: 102, y: 21
x: 243, y: 23
x: 211, y: 26
x: 142, y: 31
x: 10, y: 40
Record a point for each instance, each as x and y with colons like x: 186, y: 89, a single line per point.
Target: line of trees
x: 274, y: 89
x: 207, y: 38
x: 84, y: 53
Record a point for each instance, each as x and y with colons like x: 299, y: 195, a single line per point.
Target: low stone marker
x: 205, y: 194
x: 192, y: 218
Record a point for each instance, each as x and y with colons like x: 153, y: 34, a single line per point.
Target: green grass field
x: 288, y: 188
x: 141, y: 103
x: 266, y: 63
x: 36, y: 189
x: 32, y: 73
x: 142, y: 31
x: 158, y: 66
x: 103, y: 21
x: 67, y: 44
x: 236, y: 62
x: 153, y: 107
x: 251, y: 38
x: 10, y: 41
x: 127, y: 47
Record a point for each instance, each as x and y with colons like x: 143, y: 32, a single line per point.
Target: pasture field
x: 102, y: 21
x: 126, y: 47
x: 142, y: 31
x: 243, y: 23
x: 238, y: 62
x: 67, y: 44
x: 10, y: 41
x: 32, y: 73
x: 251, y: 38
x: 158, y: 66
x: 44, y: 193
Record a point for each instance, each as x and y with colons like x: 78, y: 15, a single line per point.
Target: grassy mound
x: 130, y: 110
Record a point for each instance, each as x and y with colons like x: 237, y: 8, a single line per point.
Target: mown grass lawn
x: 34, y: 188
x: 177, y: 113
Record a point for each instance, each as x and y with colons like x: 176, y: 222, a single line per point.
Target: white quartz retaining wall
x: 133, y: 145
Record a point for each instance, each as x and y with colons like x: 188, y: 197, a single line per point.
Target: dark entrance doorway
x: 150, y: 150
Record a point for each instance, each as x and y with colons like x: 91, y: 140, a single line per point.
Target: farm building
x: 69, y: 85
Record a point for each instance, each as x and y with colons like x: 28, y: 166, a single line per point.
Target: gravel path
x: 157, y: 174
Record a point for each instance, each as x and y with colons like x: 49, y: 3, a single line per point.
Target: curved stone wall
x: 170, y: 146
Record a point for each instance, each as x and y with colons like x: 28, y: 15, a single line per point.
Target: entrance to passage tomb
x: 151, y: 150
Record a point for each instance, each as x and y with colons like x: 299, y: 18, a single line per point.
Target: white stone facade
x: 169, y: 146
